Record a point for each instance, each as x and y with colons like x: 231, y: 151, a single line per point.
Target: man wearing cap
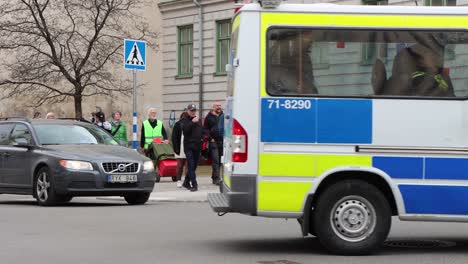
x: 192, y: 130
x: 102, y: 123
x: 151, y: 129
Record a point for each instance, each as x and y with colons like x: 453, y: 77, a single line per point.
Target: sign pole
x: 134, y: 59
x: 135, y: 145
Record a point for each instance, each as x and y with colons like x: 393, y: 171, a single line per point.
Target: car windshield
x: 72, y: 134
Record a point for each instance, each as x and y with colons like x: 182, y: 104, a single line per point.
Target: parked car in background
x: 55, y: 160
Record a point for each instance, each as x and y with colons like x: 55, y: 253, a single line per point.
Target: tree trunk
x: 78, y: 110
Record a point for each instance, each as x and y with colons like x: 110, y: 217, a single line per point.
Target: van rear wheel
x: 352, y: 217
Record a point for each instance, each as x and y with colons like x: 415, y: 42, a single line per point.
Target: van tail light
x: 239, y: 145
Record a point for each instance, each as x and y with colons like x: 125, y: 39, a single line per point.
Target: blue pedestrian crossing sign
x: 134, y: 55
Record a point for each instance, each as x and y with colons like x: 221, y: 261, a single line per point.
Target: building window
x: 371, y: 50
x: 185, y: 51
x: 223, y: 45
x: 441, y: 2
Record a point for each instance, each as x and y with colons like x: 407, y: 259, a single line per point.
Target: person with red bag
x: 178, y: 146
x: 151, y: 129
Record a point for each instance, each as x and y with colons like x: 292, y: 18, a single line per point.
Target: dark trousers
x: 181, y: 164
x: 215, y: 155
x: 192, y: 161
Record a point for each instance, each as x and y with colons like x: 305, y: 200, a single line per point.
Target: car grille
x: 120, y: 167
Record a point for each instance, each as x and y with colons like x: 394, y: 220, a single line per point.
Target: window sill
x: 179, y: 77
x: 220, y: 74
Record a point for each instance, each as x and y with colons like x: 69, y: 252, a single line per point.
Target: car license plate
x: 121, y: 178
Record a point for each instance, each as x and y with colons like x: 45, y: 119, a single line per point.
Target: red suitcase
x: 167, y: 167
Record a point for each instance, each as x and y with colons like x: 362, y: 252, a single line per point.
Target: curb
x: 161, y: 199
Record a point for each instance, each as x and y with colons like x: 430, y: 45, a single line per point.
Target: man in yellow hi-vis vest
x: 151, y: 129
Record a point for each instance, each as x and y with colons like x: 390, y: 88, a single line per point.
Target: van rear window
x: 363, y: 63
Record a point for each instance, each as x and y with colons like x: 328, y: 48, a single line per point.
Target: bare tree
x: 59, y: 50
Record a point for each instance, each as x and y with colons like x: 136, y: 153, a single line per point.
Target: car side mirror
x: 22, y: 143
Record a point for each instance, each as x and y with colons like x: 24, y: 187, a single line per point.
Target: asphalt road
x: 100, y: 231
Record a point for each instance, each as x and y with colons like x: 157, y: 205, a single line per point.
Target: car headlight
x: 148, y: 166
x: 76, y: 165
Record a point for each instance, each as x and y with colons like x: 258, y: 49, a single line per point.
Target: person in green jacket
x: 119, y: 130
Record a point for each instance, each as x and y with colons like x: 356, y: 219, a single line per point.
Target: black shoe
x: 186, y: 185
x: 194, y: 189
x: 216, y: 181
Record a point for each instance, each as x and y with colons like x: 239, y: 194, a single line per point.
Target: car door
x: 17, y: 160
x: 5, y: 131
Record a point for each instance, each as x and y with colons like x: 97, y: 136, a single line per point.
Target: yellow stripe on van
x: 438, y: 21
x: 282, y: 196
x: 235, y: 23
x: 302, y: 165
x: 369, y: 20
x: 300, y: 19
x: 296, y: 19
x: 227, y: 180
x: 327, y: 162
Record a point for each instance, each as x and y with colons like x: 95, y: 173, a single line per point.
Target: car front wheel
x: 44, y: 188
x: 137, y: 198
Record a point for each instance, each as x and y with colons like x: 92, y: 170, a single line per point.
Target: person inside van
x: 429, y: 78
x: 290, y: 69
x: 417, y: 71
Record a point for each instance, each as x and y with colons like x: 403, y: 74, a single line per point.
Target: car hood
x: 97, y: 153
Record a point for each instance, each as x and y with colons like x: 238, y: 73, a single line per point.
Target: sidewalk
x: 167, y: 191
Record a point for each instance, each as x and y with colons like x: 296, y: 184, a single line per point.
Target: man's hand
x: 195, y: 119
x: 166, y: 141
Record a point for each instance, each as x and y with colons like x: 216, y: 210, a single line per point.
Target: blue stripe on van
x: 344, y: 121
x: 347, y: 121
x: 280, y: 123
x: 447, y: 169
x: 434, y: 199
x: 400, y: 167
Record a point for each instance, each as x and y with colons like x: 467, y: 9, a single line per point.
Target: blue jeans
x: 192, y: 161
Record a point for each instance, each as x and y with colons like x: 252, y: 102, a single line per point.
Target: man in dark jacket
x: 192, y: 130
x: 212, y: 127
